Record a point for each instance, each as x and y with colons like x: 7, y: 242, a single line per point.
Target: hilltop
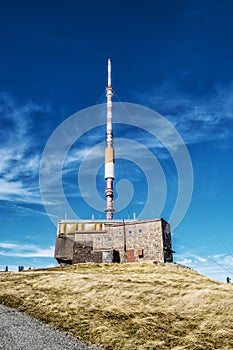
x: 127, y: 306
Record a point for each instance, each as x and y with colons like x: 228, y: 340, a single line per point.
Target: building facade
x: 113, y: 241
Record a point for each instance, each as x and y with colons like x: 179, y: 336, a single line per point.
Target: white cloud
x: 216, y: 267
x: 8, y: 245
x: 184, y: 261
x: 25, y: 250
x: 228, y: 260
x: 12, y: 188
x: 19, y: 157
x: 199, y: 258
x: 196, y: 119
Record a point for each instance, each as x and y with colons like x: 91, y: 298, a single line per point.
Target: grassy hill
x: 127, y: 306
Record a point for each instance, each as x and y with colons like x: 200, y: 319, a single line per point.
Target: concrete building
x: 113, y: 241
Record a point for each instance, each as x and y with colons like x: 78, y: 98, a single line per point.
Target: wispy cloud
x: 198, y: 119
x: 25, y: 251
x: 20, y: 150
x: 200, y: 258
x: 214, y: 266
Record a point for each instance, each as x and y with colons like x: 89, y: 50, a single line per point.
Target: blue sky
x: 174, y: 57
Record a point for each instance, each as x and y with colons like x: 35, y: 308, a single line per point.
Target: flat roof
x: 127, y: 221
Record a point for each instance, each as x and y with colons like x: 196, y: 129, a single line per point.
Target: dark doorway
x: 116, y: 256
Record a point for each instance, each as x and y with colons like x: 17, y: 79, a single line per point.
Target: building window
x: 130, y: 232
x: 98, y: 239
x: 139, y: 231
x: 119, y: 233
x: 109, y: 239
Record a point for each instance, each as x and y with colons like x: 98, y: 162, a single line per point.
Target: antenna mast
x: 109, y: 150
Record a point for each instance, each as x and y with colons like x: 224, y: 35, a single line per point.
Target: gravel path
x: 18, y: 331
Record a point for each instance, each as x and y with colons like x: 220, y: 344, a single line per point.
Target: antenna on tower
x: 109, y: 150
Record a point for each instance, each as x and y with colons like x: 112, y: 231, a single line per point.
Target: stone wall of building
x: 135, y: 240
x: 83, y: 252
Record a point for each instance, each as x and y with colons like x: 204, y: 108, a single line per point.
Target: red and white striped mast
x: 109, y: 150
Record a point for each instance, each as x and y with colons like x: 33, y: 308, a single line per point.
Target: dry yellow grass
x: 127, y: 306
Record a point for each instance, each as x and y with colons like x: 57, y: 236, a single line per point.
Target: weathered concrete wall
x: 167, y: 241
x: 64, y: 248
